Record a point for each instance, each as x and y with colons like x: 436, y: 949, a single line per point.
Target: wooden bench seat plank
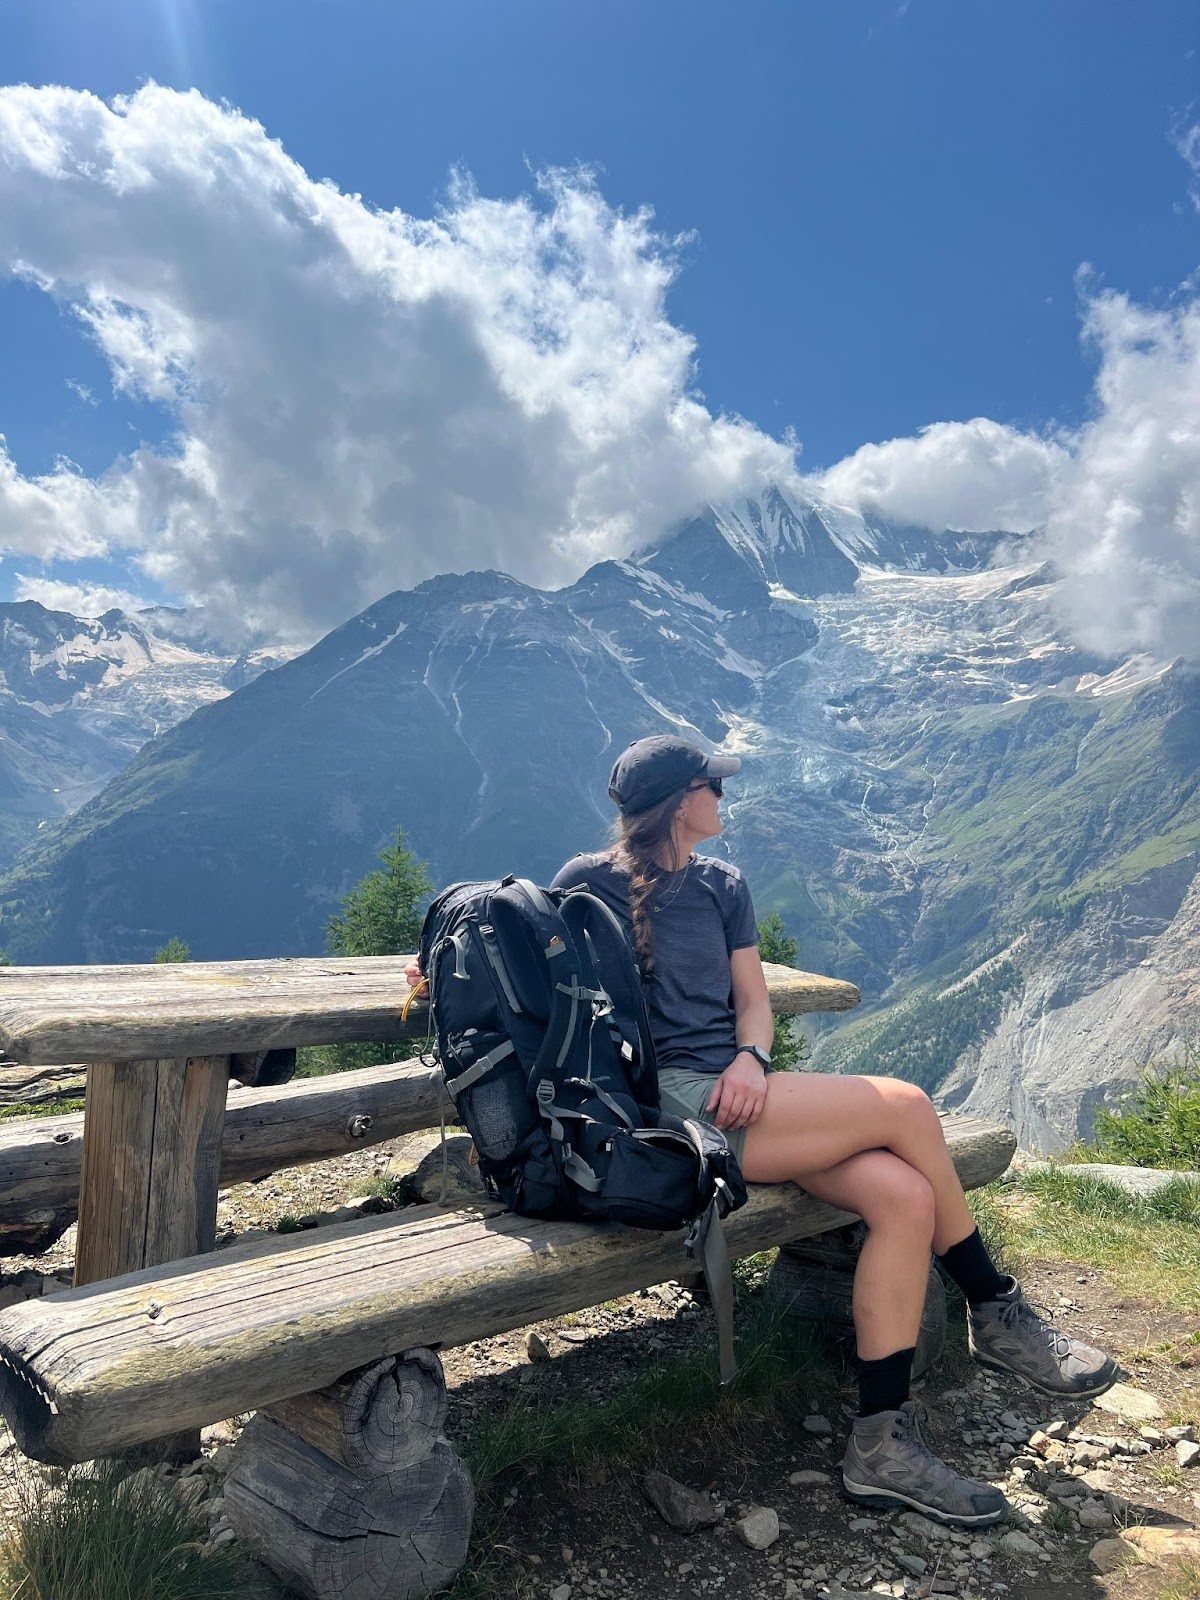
x: 96, y: 1370
x: 64, y: 1015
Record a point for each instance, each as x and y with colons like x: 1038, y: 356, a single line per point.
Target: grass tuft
x: 776, y: 1355
x: 106, y: 1535
x: 1147, y: 1245
x: 1058, y: 1520
x: 40, y: 1108
x: 383, y: 1187
x: 1183, y: 1583
x: 1177, y: 1201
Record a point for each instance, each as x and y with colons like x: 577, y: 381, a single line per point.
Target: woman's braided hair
x: 638, y: 840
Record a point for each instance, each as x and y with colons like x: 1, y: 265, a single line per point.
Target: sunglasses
x: 708, y: 783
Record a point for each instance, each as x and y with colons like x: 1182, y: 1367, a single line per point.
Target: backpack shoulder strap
x: 595, y: 924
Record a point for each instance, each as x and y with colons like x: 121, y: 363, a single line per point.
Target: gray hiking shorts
x: 685, y: 1093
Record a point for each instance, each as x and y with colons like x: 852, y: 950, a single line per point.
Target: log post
x: 359, y: 1497
x: 148, y: 1180
x: 381, y: 1418
x: 813, y: 1279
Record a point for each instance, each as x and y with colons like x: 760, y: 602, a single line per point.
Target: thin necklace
x: 678, y: 887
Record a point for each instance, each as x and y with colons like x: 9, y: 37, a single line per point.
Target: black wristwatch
x: 759, y: 1054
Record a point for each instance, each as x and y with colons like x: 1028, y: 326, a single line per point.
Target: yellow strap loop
x: 413, y: 993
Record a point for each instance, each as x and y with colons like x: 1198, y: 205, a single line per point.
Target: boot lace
x: 910, y: 1420
x: 1019, y: 1315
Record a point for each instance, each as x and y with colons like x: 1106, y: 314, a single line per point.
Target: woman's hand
x: 740, y: 1094
x: 413, y: 973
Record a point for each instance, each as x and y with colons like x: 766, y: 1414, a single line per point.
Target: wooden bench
x: 95, y: 1370
x: 342, y: 1481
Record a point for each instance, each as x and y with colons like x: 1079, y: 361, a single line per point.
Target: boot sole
x: 892, y: 1500
x: 1102, y: 1386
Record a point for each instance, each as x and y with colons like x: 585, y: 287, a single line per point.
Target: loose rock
x: 759, y: 1528
x: 536, y: 1347
x: 1135, y: 1405
x: 1093, y: 1515
x: 1108, y: 1555
x: 1164, y: 1544
x: 1017, y: 1543
x: 684, y: 1509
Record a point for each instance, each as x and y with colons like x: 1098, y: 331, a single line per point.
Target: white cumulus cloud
x: 1115, y: 503
x: 359, y: 398
x: 977, y: 475
x: 79, y: 599
x: 1123, y: 524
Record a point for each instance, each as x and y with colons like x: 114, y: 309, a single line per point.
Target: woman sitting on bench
x: 873, y: 1146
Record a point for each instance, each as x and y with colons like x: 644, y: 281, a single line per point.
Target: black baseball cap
x: 650, y: 770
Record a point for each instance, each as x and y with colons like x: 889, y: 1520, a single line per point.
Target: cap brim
x: 721, y: 766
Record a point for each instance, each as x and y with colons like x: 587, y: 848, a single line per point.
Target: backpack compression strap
x: 705, y: 1243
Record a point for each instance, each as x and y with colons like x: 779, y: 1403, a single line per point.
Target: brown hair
x: 638, y: 840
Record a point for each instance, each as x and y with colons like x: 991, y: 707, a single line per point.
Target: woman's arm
x: 741, y: 1091
x: 751, y: 1002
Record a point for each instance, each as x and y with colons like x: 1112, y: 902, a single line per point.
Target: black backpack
x: 541, y: 1030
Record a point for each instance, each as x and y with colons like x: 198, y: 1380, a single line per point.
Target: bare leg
x: 896, y: 1203
x: 812, y: 1122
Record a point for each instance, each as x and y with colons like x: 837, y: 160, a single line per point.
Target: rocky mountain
x: 79, y: 696
x: 992, y: 833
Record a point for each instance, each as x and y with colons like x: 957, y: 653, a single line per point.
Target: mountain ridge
x: 80, y: 695
x: 933, y: 773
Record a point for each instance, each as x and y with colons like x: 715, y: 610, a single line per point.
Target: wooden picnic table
x: 159, y: 1041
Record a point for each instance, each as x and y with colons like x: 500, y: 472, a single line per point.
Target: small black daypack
x: 544, y: 1042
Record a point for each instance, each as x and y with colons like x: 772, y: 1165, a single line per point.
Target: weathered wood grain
x: 150, y: 1160
x: 50, y: 1015
x: 40, y: 1086
x: 265, y: 1130
x: 331, y: 1535
x: 148, y: 1185
x: 93, y: 1370
x: 381, y: 1419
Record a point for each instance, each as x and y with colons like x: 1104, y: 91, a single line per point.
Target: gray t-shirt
x: 698, y: 917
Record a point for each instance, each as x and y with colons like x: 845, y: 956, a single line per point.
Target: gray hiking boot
x: 1012, y: 1334
x: 887, y: 1463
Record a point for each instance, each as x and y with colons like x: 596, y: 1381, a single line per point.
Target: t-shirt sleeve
x: 741, y: 929
x: 569, y: 874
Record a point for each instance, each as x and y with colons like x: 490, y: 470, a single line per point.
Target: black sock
x: 883, y: 1384
x: 973, y: 1270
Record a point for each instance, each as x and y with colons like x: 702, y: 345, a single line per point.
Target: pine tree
x: 790, y: 1049
x: 173, y: 950
x: 380, y: 916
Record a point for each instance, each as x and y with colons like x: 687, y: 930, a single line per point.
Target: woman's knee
x: 896, y: 1197
x: 909, y: 1103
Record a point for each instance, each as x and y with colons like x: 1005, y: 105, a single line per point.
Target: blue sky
x: 889, y: 204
